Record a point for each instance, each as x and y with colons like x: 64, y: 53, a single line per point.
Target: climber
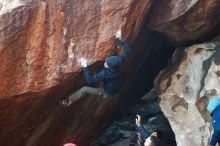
x: 214, y: 108
x: 149, y: 140
x: 110, y: 75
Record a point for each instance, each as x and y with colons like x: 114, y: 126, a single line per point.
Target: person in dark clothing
x: 110, y: 75
x: 140, y: 127
x: 214, y: 109
x: 149, y: 139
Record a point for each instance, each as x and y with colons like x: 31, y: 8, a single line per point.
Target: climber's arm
x: 141, y: 128
x: 143, y: 132
x: 93, y: 78
x: 127, y: 50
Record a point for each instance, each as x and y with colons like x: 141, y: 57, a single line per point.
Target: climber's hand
x: 83, y: 62
x: 118, y: 34
x: 138, y: 120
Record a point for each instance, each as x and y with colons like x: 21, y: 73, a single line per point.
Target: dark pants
x: 215, y: 138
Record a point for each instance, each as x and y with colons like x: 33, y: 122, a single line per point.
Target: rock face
x: 6, y: 5
x: 44, y: 40
x: 186, y: 21
x: 185, y: 87
x: 40, y: 44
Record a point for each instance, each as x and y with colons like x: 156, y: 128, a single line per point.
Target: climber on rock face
x: 110, y: 75
x: 214, y: 108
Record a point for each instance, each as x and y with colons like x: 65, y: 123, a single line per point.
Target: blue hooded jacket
x: 111, y: 77
x: 214, y: 109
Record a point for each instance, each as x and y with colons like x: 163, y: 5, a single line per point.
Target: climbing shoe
x: 65, y: 102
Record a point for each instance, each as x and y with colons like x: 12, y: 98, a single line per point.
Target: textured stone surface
x: 186, y: 21
x: 40, y: 44
x: 36, y: 39
x: 184, y: 87
x: 7, y: 5
x: 152, y: 119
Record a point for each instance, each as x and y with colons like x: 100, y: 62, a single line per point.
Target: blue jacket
x: 112, y: 78
x: 216, y: 119
x: 143, y: 132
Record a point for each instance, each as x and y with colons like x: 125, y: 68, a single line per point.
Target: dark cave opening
x: 153, y: 56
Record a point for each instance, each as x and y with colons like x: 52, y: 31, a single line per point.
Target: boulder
x: 186, y: 21
x: 185, y: 87
x: 40, y: 45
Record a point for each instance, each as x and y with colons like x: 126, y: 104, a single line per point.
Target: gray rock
x: 150, y: 96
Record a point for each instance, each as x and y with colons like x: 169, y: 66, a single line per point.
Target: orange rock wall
x: 40, y: 43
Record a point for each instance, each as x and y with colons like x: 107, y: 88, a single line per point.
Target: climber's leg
x: 86, y: 91
x: 83, y: 92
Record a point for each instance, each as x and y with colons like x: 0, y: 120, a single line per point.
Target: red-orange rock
x: 186, y: 21
x: 40, y: 42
